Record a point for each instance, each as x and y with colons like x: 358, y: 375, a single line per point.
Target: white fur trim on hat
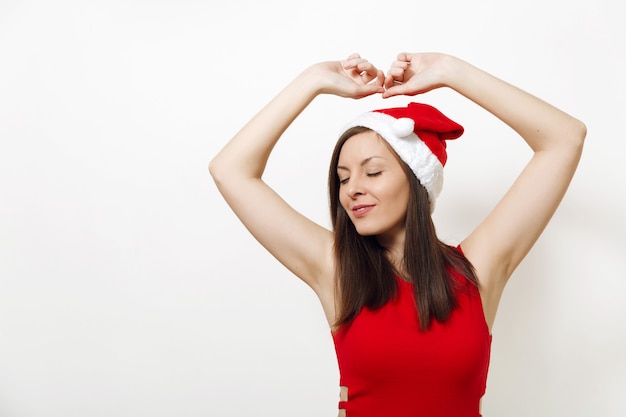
x: 411, y: 149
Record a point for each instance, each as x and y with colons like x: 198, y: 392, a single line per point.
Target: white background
x: 128, y: 288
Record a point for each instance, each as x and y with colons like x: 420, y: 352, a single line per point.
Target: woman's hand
x: 416, y: 73
x: 353, y: 77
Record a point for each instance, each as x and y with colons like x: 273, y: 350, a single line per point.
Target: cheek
x: 404, y: 193
x: 400, y: 195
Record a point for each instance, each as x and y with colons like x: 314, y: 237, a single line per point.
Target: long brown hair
x: 366, y: 277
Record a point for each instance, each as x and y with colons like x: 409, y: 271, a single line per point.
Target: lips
x: 362, y: 209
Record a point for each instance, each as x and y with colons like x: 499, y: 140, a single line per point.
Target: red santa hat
x: 418, y: 134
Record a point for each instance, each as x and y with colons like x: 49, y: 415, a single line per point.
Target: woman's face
x: 374, y: 189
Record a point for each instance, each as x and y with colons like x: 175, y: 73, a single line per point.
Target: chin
x: 367, y: 231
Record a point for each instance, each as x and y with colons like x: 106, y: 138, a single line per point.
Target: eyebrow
x: 363, y: 162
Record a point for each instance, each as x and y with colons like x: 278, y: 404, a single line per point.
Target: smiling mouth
x: 361, y: 210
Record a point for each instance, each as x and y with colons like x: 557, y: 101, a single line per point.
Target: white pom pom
x: 403, y: 127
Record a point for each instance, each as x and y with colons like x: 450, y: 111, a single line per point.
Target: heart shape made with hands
x: 409, y: 74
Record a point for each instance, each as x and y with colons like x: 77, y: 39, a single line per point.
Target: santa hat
x: 417, y: 133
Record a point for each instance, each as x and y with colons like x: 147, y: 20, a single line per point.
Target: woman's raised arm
x: 502, y: 240
x: 304, y: 247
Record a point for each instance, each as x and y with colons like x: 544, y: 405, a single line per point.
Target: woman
x: 411, y: 317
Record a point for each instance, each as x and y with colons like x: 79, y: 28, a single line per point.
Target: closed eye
x: 374, y: 174
x: 343, y: 180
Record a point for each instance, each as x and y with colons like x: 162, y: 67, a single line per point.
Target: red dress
x: 392, y: 369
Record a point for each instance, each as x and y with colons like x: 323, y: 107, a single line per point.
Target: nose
x: 355, y: 188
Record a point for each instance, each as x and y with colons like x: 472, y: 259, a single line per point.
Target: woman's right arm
x: 301, y: 245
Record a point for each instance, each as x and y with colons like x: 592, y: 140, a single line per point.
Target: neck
x: 394, y: 244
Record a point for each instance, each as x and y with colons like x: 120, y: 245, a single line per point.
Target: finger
x: 380, y: 78
x: 397, y: 72
x: 405, y: 57
x: 367, y: 69
x: 394, y: 76
x: 352, y: 61
x: 398, y: 66
x: 367, y: 77
x: 365, y: 65
x: 389, y: 82
x: 376, y: 78
x: 360, y: 70
x: 398, y: 90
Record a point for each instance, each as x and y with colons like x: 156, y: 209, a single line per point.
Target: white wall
x: 127, y: 287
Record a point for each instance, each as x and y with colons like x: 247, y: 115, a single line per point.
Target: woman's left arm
x: 502, y: 240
